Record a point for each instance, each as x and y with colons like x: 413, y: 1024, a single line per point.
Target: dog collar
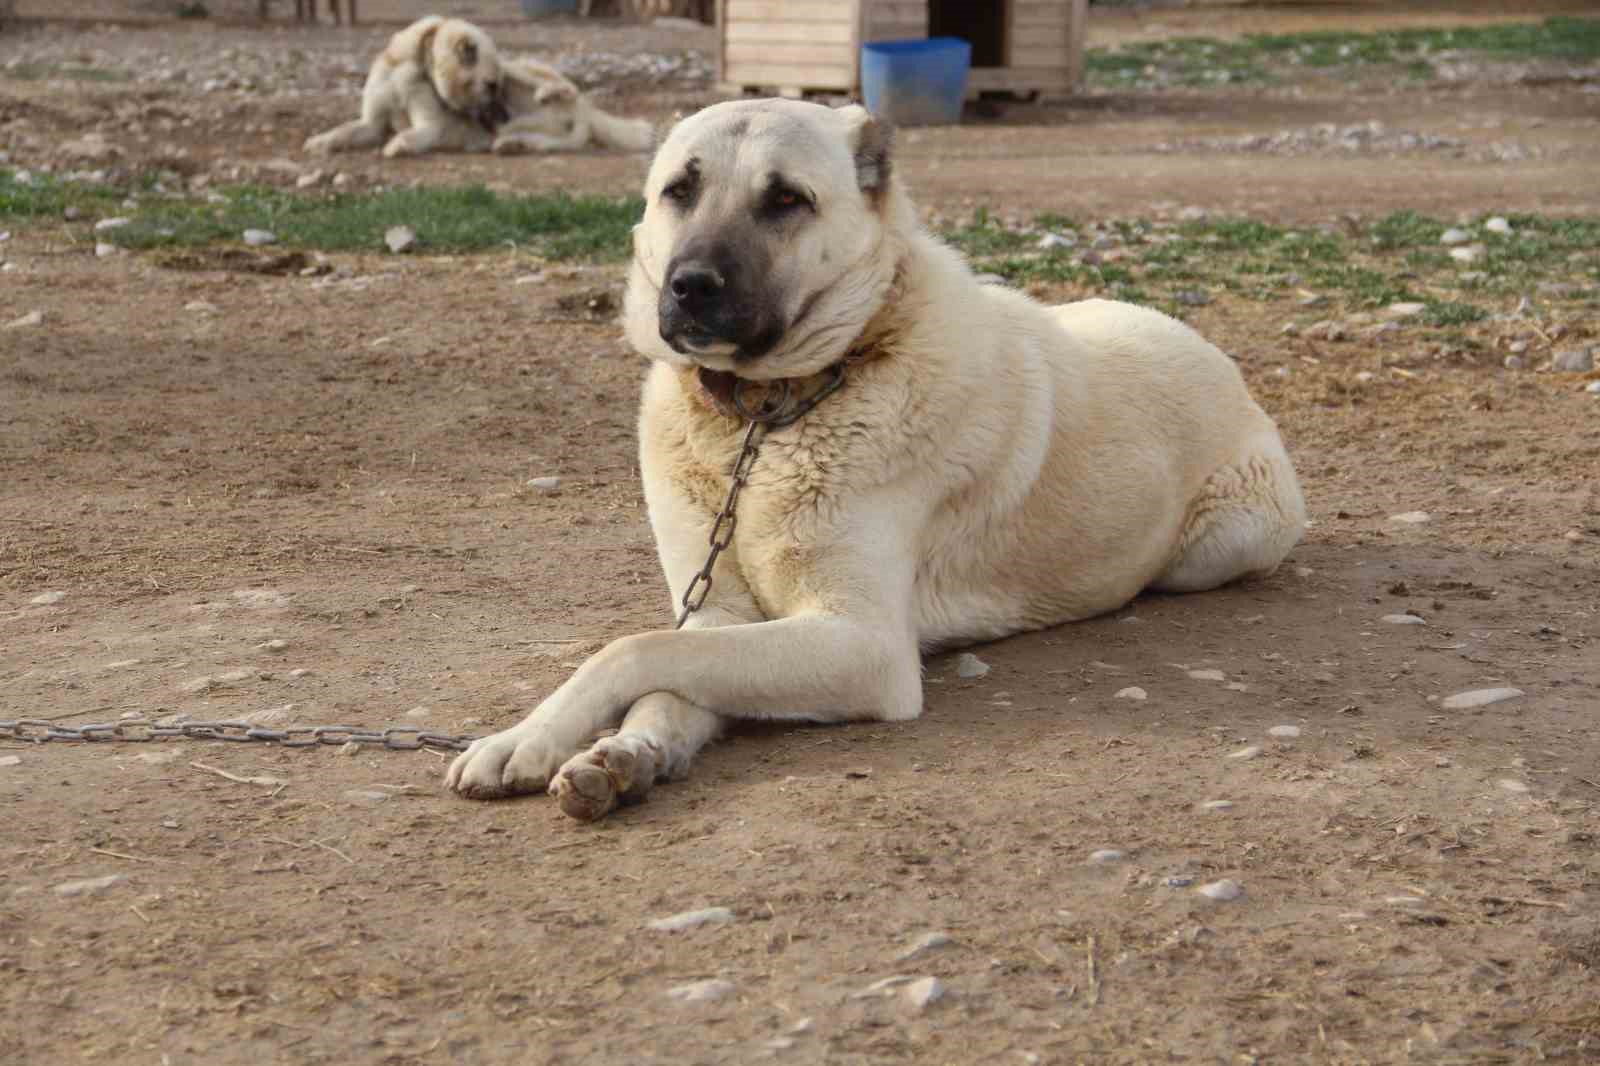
x: 778, y: 406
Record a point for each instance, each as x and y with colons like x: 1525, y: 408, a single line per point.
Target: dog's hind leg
x: 1244, y: 521
x: 359, y: 133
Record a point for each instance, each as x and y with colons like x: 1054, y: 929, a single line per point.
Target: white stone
x: 1497, y: 225
x: 45, y: 599
x: 1107, y: 855
x: 1054, y: 240
x: 1246, y: 753
x: 1222, y: 891
x: 260, y: 599
x: 1217, y: 805
x: 1454, y: 235
x: 308, y: 179
x: 1403, y: 620
x: 276, y: 647
x: 1405, y: 310
x: 32, y: 318
x: 102, y: 250
x: 419, y: 712
x: 10, y: 760
x: 1404, y: 901
x: 882, y: 988
x: 255, y: 238
x: 1208, y: 675
x: 201, y: 307
x: 1593, y: 386
x: 107, y: 224
x: 692, y: 919
x: 1479, y: 697
x: 1132, y: 692
x: 544, y: 484
x: 970, y: 666
x: 924, y: 944
x: 1284, y: 732
x: 90, y: 886
x: 922, y: 993
x: 1511, y: 784
x: 399, y: 238
x: 1411, y: 518
x: 701, y: 991
x: 365, y: 797
x: 1470, y: 254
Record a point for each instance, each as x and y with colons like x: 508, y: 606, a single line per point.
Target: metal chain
x: 140, y: 731
x: 775, y: 412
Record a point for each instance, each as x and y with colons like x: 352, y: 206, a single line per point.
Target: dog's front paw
x: 509, y: 146
x: 617, y: 769
x: 522, y: 759
x: 321, y: 144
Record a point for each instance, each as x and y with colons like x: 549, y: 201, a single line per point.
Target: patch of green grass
x: 1452, y: 313
x: 452, y: 219
x: 62, y: 71
x: 1406, y: 229
x: 1267, y: 57
x: 983, y: 237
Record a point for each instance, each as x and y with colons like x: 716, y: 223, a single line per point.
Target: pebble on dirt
x: 1411, y: 518
x: 45, y: 599
x: 925, y: 943
x: 1208, y: 675
x: 1497, y: 225
x: 1246, y: 753
x: 276, y: 646
x: 1479, y: 697
x: 1573, y: 361
x: 106, y: 224
x: 544, y: 484
x: 89, y: 886
x: 1107, y: 855
x: 1284, y: 732
x: 922, y: 993
x: 1222, y: 891
x: 1217, y: 805
x: 10, y: 760
x: 255, y: 238
x: 1403, y: 620
x: 365, y: 797
x: 701, y: 991
x: 1454, y: 235
x: 32, y: 318
x: 970, y: 666
x: 399, y: 238
x: 1132, y: 692
x: 692, y: 919
x: 1511, y: 784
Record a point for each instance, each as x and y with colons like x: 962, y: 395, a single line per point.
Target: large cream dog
x: 991, y: 465
x: 544, y: 112
x: 436, y: 86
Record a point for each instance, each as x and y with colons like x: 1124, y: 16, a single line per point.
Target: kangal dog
x: 544, y: 112
x: 990, y: 465
x: 436, y: 86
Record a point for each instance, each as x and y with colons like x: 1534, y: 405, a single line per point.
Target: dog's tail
x: 626, y: 134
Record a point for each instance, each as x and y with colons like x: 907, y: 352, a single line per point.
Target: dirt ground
x: 303, y: 499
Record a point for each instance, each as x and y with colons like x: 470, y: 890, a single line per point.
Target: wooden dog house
x: 793, y: 47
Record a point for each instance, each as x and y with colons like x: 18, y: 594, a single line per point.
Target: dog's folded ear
x: 425, y: 47
x: 870, y: 141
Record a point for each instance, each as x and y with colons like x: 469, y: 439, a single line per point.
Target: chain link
x: 141, y: 731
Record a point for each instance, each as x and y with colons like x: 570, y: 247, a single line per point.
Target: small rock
x: 1236, y: 686
x: 205, y: 307
x: 1454, y: 235
x: 399, y: 238
x: 89, y: 887
x: 1574, y: 535
x: 276, y: 646
x: 1470, y: 254
x: 1192, y: 214
x: 677, y: 923
x: 1191, y: 297
x: 350, y: 747
x: 1480, y: 697
x: 197, y: 685
x: 364, y: 797
x: 297, y: 673
x: 71, y: 213
x: 419, y: 712
x: 1405, y: 310
x: 1054, y: 240
x: 1208, y: 675
x: 45, y: 599
x: 309, y: 179
x: 924, y: 944
x: 922, y: 993
x: 1284, y: 732
x: 1403, y: 620
x: 1497, y: 225
x: 32, y: 318
x: 341, y: 180
x: 1246, y: 753
x: 1404, y: 901
x: 1512, y: 362
x: 1107, y: 855
x: 883, y: 987
x: 1312, y: 299
x: 255, y: 238
x: 1573, y: 361
x: 102, y: 250
x: 701, y: 991
x: 1222, y: 891
x: 1217, y: 805
x: 970, y: 666
x: 1288, y: 329
x: 1443, y: 761
x: 106, y: 224
x: 1593, y: 386
x: 1412, y: 518
x: 1132, y: 692
x: 1179, y: 881
x: 10, y: 760
x: 544, y: 484
x: 1511, y: 784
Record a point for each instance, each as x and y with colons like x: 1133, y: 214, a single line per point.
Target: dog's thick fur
x: 991, y: 466
x: 434, y: 87
x: 547, y: 113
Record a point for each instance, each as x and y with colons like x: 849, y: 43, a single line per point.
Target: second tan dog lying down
x: 990, y: 465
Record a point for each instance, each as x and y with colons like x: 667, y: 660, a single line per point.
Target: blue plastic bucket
x: 536, y: 8
x: 916, y: 83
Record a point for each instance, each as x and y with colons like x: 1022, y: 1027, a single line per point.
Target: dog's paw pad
x: 616, y: 770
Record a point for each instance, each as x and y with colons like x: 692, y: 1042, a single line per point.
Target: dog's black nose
x: 697, y: 286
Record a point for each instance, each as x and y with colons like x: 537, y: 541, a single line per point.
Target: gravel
x: 1222, y: 891
x: 1480, y: 697
x: 970, y: 666
x: 677, y: 923
x: 1132, y: 692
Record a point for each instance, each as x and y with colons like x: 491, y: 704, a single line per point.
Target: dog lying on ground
x: 445, y: 78
x: 440, y: 77
x: 989, y: 466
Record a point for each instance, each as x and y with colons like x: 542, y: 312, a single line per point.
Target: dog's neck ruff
x: 774, y: 404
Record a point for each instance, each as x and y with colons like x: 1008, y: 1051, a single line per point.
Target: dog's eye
x: 781, y: 201
x: 680, y: 192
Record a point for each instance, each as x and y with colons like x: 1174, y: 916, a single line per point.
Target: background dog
x: 547, y: 113
x: 442, y: 76
x: 991, y: 466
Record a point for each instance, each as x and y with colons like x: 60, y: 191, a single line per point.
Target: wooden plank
x: 722, y: 37
x: 745, y: 11
x: 817, y: 76
x: 1018, y: 79
x: 790, y: 32
x: 1039, y: 56
x: 801, y: 54
x: 1077, y: 34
